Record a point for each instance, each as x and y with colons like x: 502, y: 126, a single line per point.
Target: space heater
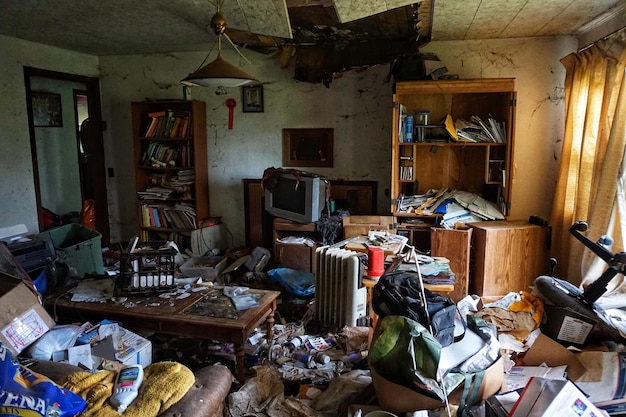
x: 340, y: 297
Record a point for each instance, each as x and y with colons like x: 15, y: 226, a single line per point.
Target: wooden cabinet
x: 438, y: 162
x: 455, y: 246
x: 507, y: 256
x: 290, y: 255
x: 171, y: 170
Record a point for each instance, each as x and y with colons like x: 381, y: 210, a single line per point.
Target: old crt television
x: 299, y: 199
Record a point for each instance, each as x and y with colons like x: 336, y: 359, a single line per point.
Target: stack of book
x: 178, y: 216
x: 160, y: 155
x: 155, y: 193
x: 168, y: 124
x: 476, y: 130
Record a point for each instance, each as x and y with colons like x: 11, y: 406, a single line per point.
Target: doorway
x: 67, y: 154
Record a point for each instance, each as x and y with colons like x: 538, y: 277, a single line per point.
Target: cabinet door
x: 454, y: 245
x: 507, y: 257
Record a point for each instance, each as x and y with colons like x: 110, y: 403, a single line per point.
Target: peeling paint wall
x: 357, y: 106
x: 17, y: 194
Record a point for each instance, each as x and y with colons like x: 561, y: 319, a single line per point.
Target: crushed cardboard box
x: 23, y: 319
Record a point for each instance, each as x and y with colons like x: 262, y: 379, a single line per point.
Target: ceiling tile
x: 349, y: 10
x: 268, y: 17
x: 451, y: 19
x: 574, y: 15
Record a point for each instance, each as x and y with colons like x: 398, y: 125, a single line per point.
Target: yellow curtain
x: 592, y: 157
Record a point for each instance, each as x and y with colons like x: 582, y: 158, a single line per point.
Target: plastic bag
x: 88, y: 214
x: 25, y: 393
x: 60, y: 337
x: 296, y: 282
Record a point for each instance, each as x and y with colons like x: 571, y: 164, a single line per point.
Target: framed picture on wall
x: 252, y: 98
x: 47, y: 109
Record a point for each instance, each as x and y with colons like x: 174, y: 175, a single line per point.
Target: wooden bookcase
x: 433, y: 160
x: 170, y: 152
x: 437, y: 162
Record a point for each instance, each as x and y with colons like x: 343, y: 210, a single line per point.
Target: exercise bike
x: 572, y: 316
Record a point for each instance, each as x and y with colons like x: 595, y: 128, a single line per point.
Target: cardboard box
x: 549, y: 397
x: 135, y: 350
x: 545, y: 351
x: 23, y: 319
x: 399, y: 399
x: 205, y: 267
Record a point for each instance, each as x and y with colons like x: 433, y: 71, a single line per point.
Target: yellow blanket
x: 164, y: 383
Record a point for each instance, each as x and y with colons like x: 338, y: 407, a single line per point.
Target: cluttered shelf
x: 426, y: 142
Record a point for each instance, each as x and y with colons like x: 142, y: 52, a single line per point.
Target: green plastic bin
x: 77, y: 246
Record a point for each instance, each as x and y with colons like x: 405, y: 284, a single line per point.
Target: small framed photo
x: 46, y: 109
x: 252, y: 98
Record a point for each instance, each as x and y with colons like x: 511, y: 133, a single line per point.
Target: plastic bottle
x: 296, y: 342
x: 126, y: 387
x: 409, y: 128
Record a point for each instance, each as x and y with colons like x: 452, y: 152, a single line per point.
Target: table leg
x: 270, y: 323
x: 239, y: 361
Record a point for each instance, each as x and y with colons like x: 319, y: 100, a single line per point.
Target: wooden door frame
x: 92, y: 87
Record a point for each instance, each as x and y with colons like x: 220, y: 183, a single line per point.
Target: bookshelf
x: 429, y: 158
x: 171, y: 169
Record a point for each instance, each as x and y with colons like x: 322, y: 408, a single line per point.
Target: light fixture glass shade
x: 219, y: 73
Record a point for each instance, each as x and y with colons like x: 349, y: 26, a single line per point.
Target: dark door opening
x: 68, y: 159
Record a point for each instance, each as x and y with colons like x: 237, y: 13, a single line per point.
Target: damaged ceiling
x: 324, y: 37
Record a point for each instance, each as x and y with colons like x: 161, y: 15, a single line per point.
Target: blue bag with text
x: 27, y: 394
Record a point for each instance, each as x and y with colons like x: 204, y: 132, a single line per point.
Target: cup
x: 422, y: 117
x: 376, y: 261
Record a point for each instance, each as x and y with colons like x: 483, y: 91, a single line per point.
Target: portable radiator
x: 340, y: 297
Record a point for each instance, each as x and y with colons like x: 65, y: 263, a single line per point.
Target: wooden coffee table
x: 205, y: 314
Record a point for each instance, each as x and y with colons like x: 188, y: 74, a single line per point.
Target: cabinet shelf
x: 166, y: 229
x: 482, y: 168
x: 459, y: 144
x: 164, y: 169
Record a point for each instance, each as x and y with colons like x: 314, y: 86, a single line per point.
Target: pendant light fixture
x: 219, y: 73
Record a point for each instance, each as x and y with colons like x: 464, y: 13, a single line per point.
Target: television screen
x: 302, y: 204
x: 287, y: 197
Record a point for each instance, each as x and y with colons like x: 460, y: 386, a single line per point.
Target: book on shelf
x: 152, y: 126
x: 155, y: 193
x: 160, y: 155
x: 155, y: 114
x: 475, y: 130
x: 168, y: 124
x: 402, y: 124
x: 177, y: 216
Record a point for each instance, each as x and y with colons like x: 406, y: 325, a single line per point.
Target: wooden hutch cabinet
x: 426, y: 157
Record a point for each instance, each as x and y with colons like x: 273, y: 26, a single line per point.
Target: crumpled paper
x: 263, y: 395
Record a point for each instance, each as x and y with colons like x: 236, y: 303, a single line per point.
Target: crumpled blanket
x: 164, y: 384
